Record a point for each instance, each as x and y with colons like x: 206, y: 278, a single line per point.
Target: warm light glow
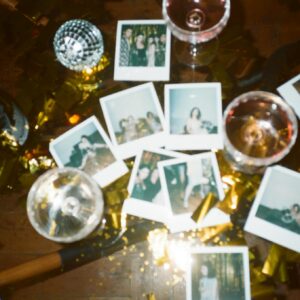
x: 74, y: 119
x: 179, y: 254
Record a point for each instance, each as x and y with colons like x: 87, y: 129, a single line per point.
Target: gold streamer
x: 208, y: 202
x: 261, y: 290
x: 208, y: 233
x: 273, y: 260
x: 151, y: 296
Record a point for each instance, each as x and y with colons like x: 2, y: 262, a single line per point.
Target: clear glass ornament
x: 78, y: 45
x: 65, y: 205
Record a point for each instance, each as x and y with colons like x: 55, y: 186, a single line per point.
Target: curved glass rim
x: 194, y: 35
x: 259, y: 162
x: 98, y: 212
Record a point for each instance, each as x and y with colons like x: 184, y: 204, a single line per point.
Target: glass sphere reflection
x: 65, y: 205
x: 78, y: 44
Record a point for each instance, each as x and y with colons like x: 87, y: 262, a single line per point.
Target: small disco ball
x: 65, y: 205
x: 78, y: 44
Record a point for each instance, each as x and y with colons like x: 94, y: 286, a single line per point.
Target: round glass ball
x: 78, y: 44
x: 65, y: 205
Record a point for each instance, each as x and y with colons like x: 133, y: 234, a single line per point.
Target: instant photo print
x: 87, y: 147
x: 142, y: 51
x: 218, y: 273
x: 193, y: 114
x: 134, y: 119
x: 185, y: 183
x: 275, y: 213
x: 290, y: 91
x: 145, y: 194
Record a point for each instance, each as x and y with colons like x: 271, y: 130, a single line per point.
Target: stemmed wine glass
x: 259, y: 130
x: 196, y: 25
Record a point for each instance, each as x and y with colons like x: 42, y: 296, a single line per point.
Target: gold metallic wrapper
x: 273, y: 260
x: 206, y: 205
x: 208, y: 233
x: 262, y: 291
x: 151, y: 296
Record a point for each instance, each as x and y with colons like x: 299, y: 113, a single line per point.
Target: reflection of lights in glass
x: 78, y: 45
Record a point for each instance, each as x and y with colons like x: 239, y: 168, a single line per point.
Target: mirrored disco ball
x: 65, y: 205
x: 78, y: 44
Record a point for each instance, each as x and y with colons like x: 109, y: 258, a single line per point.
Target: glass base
x: 196, y: 55
x: 243, y: 167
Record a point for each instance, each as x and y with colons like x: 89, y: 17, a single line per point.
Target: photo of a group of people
x: 142, y: 50
x: 145, y: 195
x: 219, y: 273
x: 134, y: 119
x: 275, y: 214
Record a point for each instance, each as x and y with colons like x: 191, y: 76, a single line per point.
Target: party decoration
x: 78, y: 45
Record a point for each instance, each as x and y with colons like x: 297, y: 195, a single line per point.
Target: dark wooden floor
x: 128, y: 274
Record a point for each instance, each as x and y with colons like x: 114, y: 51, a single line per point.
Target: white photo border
x: 192, y: 141
x: 265, y: 229
x: 184, y: 222
x: 131, y: 148
x: 139, y: 207
x: 219, y: 250
x: 290, y: 94
x: 142, y: 73
x: 106, y: 175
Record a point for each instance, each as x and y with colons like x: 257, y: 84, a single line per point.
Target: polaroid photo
x: 185, y: 183
x: 275, y: 213
x: 290, y: 91
x: 88, y: 148
x: 145, y: 195
x: 142, y: 51
x: 134, y: 119
x: 218, y: 273
x: 193, y: 114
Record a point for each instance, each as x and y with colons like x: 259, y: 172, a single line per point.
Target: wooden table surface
x: 125, y: 275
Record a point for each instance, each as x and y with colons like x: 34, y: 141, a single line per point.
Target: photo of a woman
x: 138, y: 56
x: 208, y: 283
x: 194, y: 123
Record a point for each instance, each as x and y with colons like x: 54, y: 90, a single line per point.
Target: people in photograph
x: 194, y: 123
x: 89, y: 151
x: 195, y: 177
x: 208, y: 283
x: 151, y: 52
x: 138, y: 56
x: 288, y: 218
x: 160, y: 51
x: 128, y: 128
x: 125, y: 47
x: 147, y: 183
x: 153, y: 122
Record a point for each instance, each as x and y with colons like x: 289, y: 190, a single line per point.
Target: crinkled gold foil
x: 273, y: 260
x: 208, y: 233
x: 151, y: 296
x: 208, y: 202
x: 262, y: 290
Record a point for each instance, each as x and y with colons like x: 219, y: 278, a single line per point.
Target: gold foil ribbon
x: 206, y: 205
x: 151, y: 296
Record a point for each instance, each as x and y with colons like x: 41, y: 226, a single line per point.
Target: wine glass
x: 196, y: 25
x: 259, y: 130
x: 65, y: 205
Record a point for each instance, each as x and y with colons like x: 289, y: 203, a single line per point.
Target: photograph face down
x: 218, y: 276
